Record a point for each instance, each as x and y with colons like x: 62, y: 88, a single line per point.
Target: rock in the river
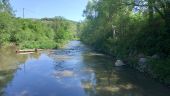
x: 119, y: 63
x: 142, y: 64
x: 142, y: 60
x: 155, y: 56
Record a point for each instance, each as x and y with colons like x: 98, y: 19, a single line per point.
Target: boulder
x: 119, y: 63
x: 142, y: 60
x: 142, y: 64
x: 155, y: 56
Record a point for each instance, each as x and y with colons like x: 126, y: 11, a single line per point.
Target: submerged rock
x: 142, y: 60
x: 142, y: 64
x: 155, y: 56
x: 119, y: 63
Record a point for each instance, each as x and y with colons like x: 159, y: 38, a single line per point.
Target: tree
x: 6, y: 7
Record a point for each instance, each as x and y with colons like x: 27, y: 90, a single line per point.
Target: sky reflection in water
x: 72, y: 71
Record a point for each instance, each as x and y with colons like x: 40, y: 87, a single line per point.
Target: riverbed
x: 74, y: 70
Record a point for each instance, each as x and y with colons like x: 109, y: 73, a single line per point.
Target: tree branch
x: 161, y: 3
x: 160, y: 13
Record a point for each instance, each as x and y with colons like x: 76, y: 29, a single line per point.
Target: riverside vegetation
x: 33, y: 33
x: 131, y: 30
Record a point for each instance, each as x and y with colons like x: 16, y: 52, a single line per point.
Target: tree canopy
x: 126, y: 28
x: 33, y: 33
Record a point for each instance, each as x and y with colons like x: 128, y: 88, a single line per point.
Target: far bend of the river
x: 72, y: 71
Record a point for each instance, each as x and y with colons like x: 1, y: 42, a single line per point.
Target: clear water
x: 72, y: 71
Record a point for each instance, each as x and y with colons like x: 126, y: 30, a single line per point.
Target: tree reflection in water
x: 74, y: 71
x: 9, y: 64
x: 117, y: 81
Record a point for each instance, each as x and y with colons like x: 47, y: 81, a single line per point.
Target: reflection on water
x: 72, y: 71
x: 9, y: 63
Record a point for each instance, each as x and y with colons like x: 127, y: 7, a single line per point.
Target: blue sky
x: 70, y: 9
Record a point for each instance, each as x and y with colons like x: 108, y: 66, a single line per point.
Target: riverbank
x: 156, y: 67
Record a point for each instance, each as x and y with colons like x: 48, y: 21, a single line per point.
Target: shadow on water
x: 119, y: 81
x: 72, y: 71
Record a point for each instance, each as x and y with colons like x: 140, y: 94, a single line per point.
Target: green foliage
x: 125, y: 28
x: 6, y: 25
x: 29, y: 33
x: 136, y: 32
x: 6, y: 7
x: 64, y: 29
x: 34, y: 34
x: 160, y: 68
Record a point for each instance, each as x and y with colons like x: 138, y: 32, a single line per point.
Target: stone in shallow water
x: 119, y: 63
x: 155, y: 56
x: 142, y: 64
x: 142, y: 60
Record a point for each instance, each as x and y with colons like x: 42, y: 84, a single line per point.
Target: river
x: 71, y: 71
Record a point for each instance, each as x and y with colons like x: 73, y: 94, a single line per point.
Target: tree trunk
x: 167, y: 17
x: 166, y: 36
x: 150, y: 7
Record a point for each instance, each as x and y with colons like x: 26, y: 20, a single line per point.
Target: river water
x: 72, y: 71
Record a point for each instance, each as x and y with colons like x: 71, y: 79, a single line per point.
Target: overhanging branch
x: 160, y: 13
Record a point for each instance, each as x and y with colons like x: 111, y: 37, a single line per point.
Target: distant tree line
x: 33, y: 33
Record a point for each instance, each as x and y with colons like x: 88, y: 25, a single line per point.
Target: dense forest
x: 33, y: 33
x: 130, y: 30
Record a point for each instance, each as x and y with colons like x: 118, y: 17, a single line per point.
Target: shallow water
x: 73, y: 71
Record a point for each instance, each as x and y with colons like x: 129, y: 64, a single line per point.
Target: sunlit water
x: 72, y: 71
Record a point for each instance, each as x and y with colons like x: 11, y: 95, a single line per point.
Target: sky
x: 70, y: 9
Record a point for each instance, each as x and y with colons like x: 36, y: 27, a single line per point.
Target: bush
x: 160, y: 68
